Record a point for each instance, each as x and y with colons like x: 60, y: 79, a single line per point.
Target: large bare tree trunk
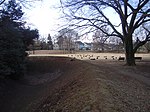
x: 130, y: 60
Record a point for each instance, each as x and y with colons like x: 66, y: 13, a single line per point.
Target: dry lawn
x: 85, y: 55
x: 57, y: 84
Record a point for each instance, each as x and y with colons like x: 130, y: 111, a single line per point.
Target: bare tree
x: 50, y: 43
x: 66, y: 39
x: 99, y: 40
x: 129, y: 15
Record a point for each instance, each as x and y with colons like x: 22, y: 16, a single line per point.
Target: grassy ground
x: 56, y: 84
x: 78, y: 55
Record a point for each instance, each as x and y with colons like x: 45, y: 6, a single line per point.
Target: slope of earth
x: 56, y: 84
x: 101, y: 86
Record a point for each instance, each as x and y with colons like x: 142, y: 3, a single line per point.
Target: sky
x: 44, y: 17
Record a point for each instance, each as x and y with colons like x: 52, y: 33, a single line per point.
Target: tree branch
x: 141, y: 43
x: 137, y: 45
x: 109, y: 23
x: 2, y: 1
x: 141, y: 20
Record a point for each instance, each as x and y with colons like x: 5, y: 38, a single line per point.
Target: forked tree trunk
x: 129, y: 52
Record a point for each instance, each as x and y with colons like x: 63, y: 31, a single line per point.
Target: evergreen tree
x: 13, y: 41
x: 50, y: 43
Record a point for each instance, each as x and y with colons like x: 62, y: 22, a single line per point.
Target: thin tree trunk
x: 130, y: 60
x: 102, y: 47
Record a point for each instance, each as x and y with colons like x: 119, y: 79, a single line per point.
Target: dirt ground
x: 62, y: 84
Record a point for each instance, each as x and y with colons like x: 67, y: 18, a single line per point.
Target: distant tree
x: 66, y: 38
x: 129, y: 15
x: 28, y: 36
x: 43, y: 44
x: 12, y: 41
x: 99, y: 39
x: 50, y: 43
x: 35, y: 46
x: 147, y: 46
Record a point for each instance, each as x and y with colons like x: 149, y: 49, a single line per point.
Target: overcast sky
x: 44, y: 17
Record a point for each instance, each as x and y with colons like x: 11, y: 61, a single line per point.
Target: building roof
x: 79, y: 42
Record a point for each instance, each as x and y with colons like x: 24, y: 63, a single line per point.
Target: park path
x: 120, y: 68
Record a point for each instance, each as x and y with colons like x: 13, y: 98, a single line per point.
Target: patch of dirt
x: 41, y: 79
x: 56, y: 84
x: 127, y: 91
